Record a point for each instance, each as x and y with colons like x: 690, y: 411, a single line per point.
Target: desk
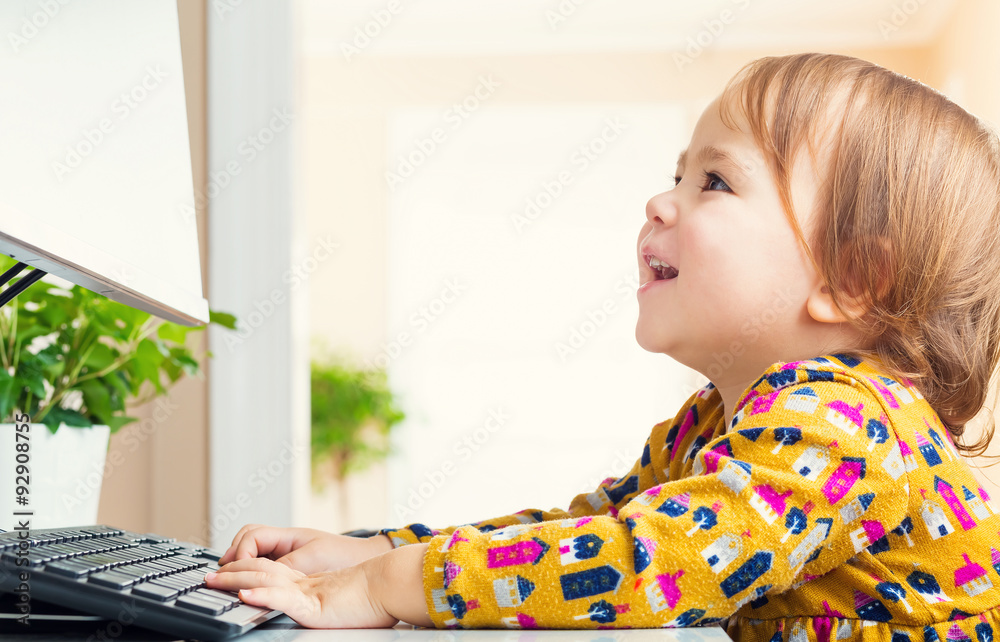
x: 283, y: 629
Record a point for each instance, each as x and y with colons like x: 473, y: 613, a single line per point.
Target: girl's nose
x: 662, y: 208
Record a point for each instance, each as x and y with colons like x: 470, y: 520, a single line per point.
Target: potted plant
x: 70, y: 359
x: 352, y: 413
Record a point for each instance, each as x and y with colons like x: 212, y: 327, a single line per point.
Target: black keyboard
x: 150, y: 581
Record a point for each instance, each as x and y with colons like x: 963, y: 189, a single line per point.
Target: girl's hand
x: 377, y: 593
x: 338, y: 599
x: 304, y: 549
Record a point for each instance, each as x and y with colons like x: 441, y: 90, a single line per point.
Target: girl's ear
x: 822, y: 308
x: 854, y: 296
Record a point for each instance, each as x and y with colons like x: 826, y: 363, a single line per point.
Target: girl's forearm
x: 396, y: 581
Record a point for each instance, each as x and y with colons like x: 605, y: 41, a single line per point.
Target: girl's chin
x: 649, y: 341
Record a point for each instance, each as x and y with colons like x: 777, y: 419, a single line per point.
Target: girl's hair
x: 908, y: 215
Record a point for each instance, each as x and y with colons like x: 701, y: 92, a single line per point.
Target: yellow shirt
x: 834, y: 507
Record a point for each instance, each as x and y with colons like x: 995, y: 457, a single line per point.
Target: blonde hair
x: 909, y: 215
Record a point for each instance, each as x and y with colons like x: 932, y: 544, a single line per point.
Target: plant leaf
x: 224, y: 319
x: 96, y: 400
x: 100, y: 357
x: 172, y: 332
x: 59, y: 415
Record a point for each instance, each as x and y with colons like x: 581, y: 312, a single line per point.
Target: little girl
x: 814, y: 490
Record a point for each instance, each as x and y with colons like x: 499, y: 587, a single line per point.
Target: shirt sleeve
x: 805, y: 479
x: 608, y: 499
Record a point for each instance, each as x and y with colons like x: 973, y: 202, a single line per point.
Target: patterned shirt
x: 835, y: 507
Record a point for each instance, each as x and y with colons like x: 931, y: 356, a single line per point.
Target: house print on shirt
x: 812, y: 461
x: 768, y: 502
x: 936, y: 521
x: 577, y: 549
x: 972, y: 577
x: 926, y: 449
x: 664, y: 592
x: 735, y: 475
x: 712, y: 457
x: 850, y: 470
x: 938, y: 441
x: 675, y: 506
x: 868, y: 608
x: 820, y: 531
x: 893, y: 463
x: 764, y: 403
x: 979, y: 509
x: 909, y: 459
x: 720, y: 553
x: 844, y: 416
x: 898, y: 391
x: 944, y: 489
x: 890, y: 398
x: 512, y: 591
x: 856, y: 507
x: 872, y: 535
x: 803, y: 400
x: 598, y: 499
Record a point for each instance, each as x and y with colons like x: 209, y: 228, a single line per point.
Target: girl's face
x: 734, y: 299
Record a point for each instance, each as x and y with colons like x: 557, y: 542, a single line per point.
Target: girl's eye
x: 714, y: 179
x: 712, y: 182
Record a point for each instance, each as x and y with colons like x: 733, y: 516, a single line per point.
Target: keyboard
x: 142, y: 579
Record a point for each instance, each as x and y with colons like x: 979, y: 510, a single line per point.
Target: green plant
x: 74, y: 357
x: 352, y: 412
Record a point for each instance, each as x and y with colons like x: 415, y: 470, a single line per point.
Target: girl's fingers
x: 230, y: 553
x: 288, y: 599
x: 260, y: 542
x: 261, y: 564
x: 236, y: 580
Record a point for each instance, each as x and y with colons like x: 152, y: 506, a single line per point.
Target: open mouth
x: 661, y: 270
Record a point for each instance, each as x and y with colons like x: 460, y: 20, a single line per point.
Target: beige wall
x: 345, y: 109
x: 157, y: 468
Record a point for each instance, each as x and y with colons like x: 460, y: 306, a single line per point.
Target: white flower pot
x: 65, y: 471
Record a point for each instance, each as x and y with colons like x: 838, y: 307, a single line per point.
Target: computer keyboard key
x: 155, y: 591
x: 201, y: 604
x: 193, y: 578
x: 171, y: 582
x: 68, y: 568
x: 161, y: 568
x: 112, y: 579
x: 216, y: 594
x: 191, y: 561
x: 134, y: 571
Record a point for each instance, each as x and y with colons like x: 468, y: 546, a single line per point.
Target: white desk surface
x: 282, y: 629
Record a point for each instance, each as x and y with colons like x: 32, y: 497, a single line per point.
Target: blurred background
x: 451, y: 192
